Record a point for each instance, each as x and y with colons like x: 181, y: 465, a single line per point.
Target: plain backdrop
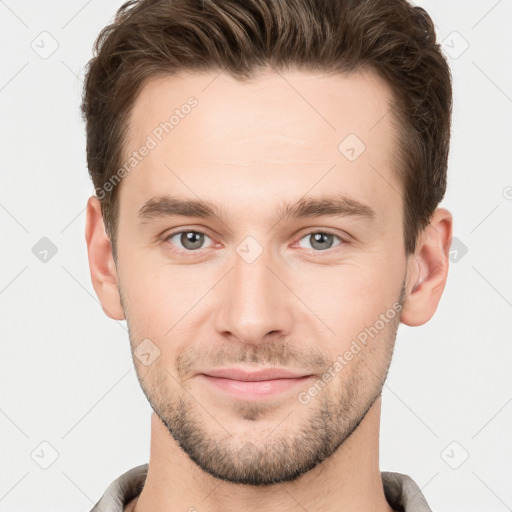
x: 72, y: 414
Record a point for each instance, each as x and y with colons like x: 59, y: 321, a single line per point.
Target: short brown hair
x: 155, y: 38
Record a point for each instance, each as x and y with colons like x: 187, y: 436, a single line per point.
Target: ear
x: 101, y: 262
x: 428, y: 270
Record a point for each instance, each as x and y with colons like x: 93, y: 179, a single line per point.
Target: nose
x: 253, y: 302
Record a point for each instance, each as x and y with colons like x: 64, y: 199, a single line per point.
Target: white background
x: 66, y: 374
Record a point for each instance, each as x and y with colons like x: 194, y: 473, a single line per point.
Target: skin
x: 250, y: 147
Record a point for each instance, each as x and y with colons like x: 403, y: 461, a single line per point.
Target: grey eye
x: 189, y: 240
x: 320, y: 241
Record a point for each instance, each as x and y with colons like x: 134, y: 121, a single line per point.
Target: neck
x: 348, y: 480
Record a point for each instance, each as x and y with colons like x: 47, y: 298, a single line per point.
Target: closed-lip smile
x: 253, y: 385
x: 259, y: 375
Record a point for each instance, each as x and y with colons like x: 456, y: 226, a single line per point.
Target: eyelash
x: 190, y: 253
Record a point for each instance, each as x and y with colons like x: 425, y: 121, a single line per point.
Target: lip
x: 253, y: 386
x: 260, y: 375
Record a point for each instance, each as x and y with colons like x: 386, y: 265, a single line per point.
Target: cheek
x: 349, y: 298
x: 161, y: 300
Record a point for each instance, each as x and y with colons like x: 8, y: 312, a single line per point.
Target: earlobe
x: 428, y: 270
x: 101, y: 262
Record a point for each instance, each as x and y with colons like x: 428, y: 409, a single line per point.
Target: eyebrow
x: 337, y: 205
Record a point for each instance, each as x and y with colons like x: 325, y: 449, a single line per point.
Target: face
x: 257, y: 234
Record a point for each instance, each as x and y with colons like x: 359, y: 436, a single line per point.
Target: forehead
x: 320, y: 104
x: 311, y: 130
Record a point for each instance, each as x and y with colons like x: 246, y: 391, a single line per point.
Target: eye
x: 320, y: 240
x: 190, y: 240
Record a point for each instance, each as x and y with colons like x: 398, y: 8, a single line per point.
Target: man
x: 267, y: 178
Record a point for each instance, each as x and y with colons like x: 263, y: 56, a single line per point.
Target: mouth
x: 254, y: 385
